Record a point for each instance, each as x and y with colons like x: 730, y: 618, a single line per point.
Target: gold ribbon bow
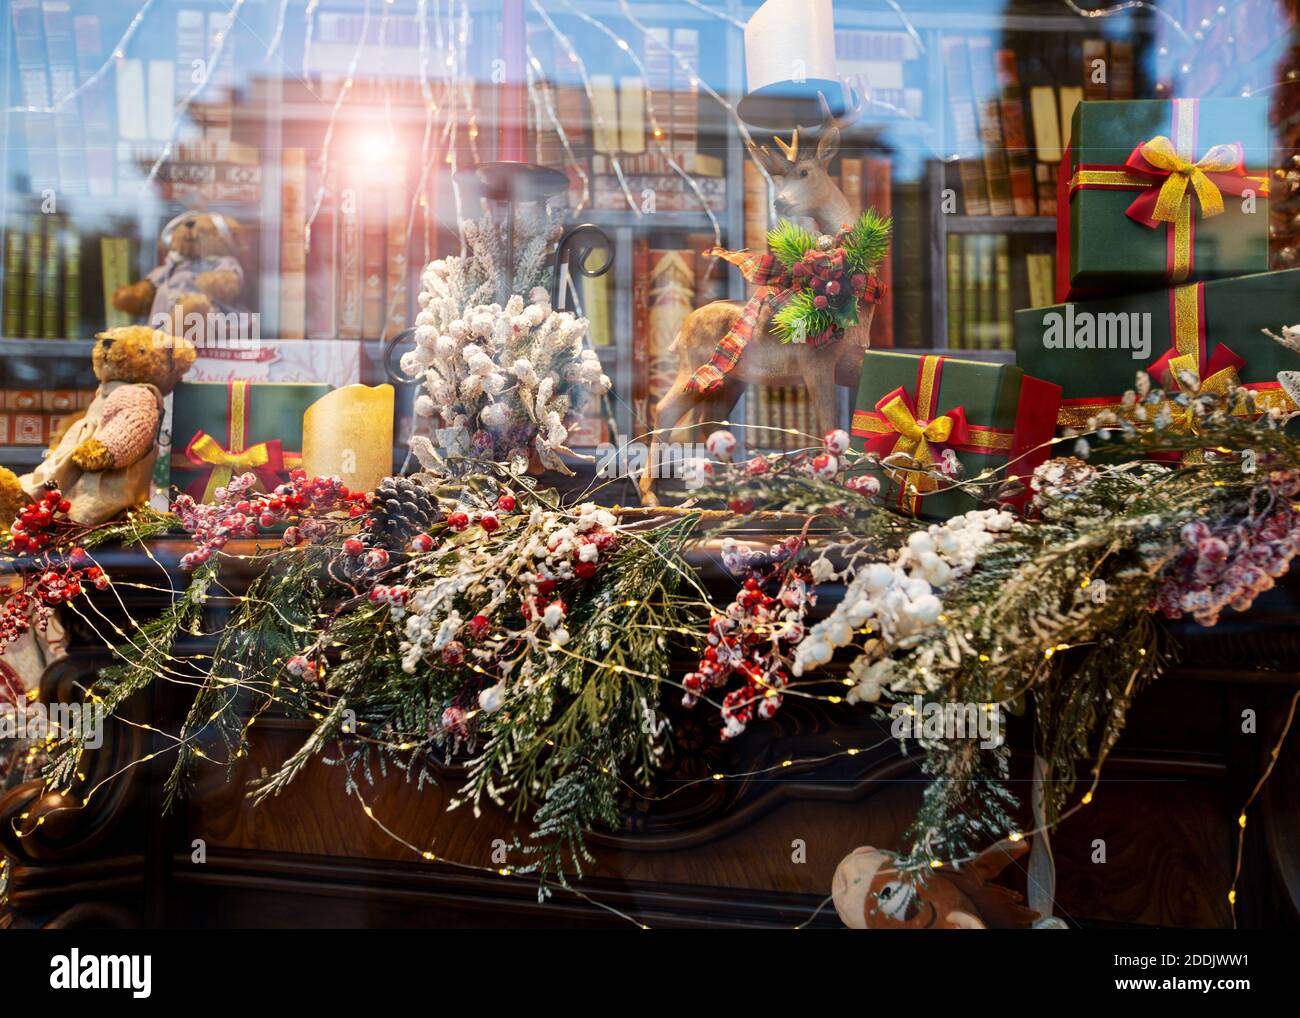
x: 1161, y: 154
x: 224, y: 463
x: 914, y: 440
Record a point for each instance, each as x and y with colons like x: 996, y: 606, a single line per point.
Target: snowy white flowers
x: 499, y: 381
x: 900, y: 599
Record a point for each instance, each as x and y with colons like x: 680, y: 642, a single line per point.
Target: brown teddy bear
x: 104, y: 460
x: 200, y: 274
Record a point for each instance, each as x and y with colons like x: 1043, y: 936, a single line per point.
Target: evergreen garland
x: 831, y: 275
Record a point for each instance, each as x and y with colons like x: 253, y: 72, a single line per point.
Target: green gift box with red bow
x: 1199, y: 335
x: 223, y: 429
x: 1154, y: 192
x: 957, y: 417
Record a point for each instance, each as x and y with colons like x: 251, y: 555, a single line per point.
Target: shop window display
x: 573, y: 448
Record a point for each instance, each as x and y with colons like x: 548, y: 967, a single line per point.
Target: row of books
x: 95, y: 143
x: 995, y: 118
x: 351, y: 277
x: 986, y: 283
x: 42, y: 280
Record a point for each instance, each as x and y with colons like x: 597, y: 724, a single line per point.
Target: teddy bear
x: 199, y: 275
x: 870, y: 894
x: 104, y: 460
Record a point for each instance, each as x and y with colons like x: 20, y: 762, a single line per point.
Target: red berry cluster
x: 1231, y: 566
x: 751, y: 640
x: 35, y: 527
x: 826, y: 274
x: 51, y: 578
x: 238, y: 511
x: 301, y: 666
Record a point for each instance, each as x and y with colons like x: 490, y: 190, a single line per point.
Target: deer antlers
x: 791, y: 151
x: 855, y: 101
x: 828, y: 132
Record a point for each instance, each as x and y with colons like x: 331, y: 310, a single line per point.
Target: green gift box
x: 1095, y: 348
x: 1154, y: 192
x: 933, y: 408
x: 223, y: 429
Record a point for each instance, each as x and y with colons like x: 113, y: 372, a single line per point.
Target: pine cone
x: 401, y: 509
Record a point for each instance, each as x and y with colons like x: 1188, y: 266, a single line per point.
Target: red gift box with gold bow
x: 1156, y: 192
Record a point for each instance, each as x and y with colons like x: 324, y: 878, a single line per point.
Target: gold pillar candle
x: 348, y: 434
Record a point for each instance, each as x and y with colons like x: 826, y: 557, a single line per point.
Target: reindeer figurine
x: 806, y: 189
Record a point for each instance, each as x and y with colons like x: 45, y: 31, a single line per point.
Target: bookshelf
x: 267, y: 113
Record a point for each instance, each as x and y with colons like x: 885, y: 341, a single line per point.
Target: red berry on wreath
x: 506, y: 503
x: 422, y: 542
x: 376, y: 558
x: 454, y: 653
x: 741, y: 505
x: 820, y: 302
x: 458, y: 521
x: 478, y: 626
x: 585, y: 570
x: 489, y: 522
x: 353, y: 546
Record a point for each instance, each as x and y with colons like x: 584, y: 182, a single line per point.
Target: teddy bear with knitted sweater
x: 200, y: 275
x: 104, y: 460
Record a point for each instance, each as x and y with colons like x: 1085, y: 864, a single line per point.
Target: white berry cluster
x: 898, y: 598
x: 498, y: 380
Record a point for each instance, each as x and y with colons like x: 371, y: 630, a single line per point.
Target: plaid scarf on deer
x: 776, y: 285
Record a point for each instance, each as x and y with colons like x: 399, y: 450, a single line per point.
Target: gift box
x: 934, y: 409
x: 222, y: 429
x: 1153, y: 192
x: 1095, y: 348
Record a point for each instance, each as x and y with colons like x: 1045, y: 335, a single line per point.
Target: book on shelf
x: 598, y: 309
x: 95, y: 106
x: 397, y: 295
x: 34, y: 91
x: 61, y: 54
x: 117, y: 264
x: 374, y: 257
x: 51, y: 278
x: 986, y: 281
x: 218, y: 105
x: 321, y: 284
x: 883, y: 58
x: 965, y: 126
x: 672, y: 298
x: 757, y: 207
x: 878, y: 194
x: 988, y: 115
x: 70, y: 246
x: 685, y: 92
x: 640, y: 335
x: 349, y: 284
x: 161, y: 91
x: 293, y: 256
x: 1019, y: 160
x: 956, y: 307
x: 33, y: 264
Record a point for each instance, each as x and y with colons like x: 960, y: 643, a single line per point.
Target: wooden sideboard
x: 755, y: 851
